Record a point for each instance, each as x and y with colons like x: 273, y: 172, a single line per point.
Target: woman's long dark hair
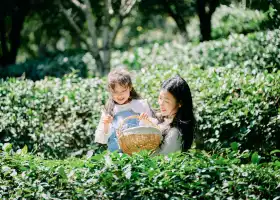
x: 184, y: 119
x: 122, y: 77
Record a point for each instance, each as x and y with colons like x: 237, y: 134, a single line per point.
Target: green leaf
x: 255, y: 159
x: 234, y: 146
x: 7, y: 147
x: 274, y: 151
x: 277, y: 163
x: 62, y: 172
x: 24, y: 150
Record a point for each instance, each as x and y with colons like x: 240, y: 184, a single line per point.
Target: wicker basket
x: 139, y: 138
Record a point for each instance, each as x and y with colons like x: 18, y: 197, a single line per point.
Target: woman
x: 176, y: 118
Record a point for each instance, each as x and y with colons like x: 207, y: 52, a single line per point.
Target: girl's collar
x: 128, y: 102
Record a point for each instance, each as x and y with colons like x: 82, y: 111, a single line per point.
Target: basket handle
x: 134, y: 117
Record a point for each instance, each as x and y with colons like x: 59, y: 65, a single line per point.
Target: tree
x: 104, y: 20
x: 12, y: 17
x: 205, y: 10
x: 180, y: 10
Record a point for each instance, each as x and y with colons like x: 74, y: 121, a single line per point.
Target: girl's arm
x: 149, y: 111
x: 102, y: 131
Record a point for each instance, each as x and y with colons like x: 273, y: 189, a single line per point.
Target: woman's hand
x: 107, y: 119
x: 143, y: 116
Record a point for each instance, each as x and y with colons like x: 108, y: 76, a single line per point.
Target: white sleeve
x: 172, y: 142
x: 147, y: 108
x: 100, y: 136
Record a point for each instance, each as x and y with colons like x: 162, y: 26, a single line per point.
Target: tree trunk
x: 205, y: 28
x: 99, y: 63
x: 106, y: 38
x: 17, y: 20
x: 4, y: 47
x: 177, y: 18
x: 106, y: 61
x: 205, y: 17
x: 9, y: 55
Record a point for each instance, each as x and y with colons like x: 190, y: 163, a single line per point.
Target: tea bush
x: 258, y: 51
x: 194, y: 175
x: 230, y: 104
x: 56, y: 64
x: 60, y: 115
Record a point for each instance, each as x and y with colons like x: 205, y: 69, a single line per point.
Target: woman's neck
x: 166, y: 120
x: 170, y: 117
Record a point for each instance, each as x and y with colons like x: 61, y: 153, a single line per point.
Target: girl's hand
x: 143, y: 116
x: 118, y: 134
x: 107, y: 119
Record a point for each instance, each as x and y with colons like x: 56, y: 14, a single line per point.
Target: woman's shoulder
x: 174, y: 131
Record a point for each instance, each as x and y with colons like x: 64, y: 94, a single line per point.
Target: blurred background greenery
x: 51, y: 38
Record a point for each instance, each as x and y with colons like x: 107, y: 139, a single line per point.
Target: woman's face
x: 167, y: 103
x: 120, y: 94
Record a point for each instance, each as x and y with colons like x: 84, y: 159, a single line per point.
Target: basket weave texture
x: 139, y: 138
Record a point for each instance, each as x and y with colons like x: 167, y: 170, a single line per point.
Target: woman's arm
x: 172, y: 142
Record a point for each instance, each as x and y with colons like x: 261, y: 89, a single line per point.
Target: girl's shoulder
x: 142, y: 102
x: 141, y: 105
x: 132, y: 105
x: 139, y: 100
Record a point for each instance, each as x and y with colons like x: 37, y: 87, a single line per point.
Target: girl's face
x: 167, y: 103
x: 120, y: 94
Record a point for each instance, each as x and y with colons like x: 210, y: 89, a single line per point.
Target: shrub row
x: 230, y: 104
x: 194, y: 175
x: 60, y: 115
x: 258, y: 51
x: 56, y: 65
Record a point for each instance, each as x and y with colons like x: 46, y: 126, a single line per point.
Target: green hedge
x: 233, y: 102
x: 195, y: 175
x: 56, y: 64
x: 60, y: 115
x: 230, y: 104
x: 258, y: 51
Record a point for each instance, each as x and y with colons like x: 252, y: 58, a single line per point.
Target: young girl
x: 123, y: 102
x: 176, y: 118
